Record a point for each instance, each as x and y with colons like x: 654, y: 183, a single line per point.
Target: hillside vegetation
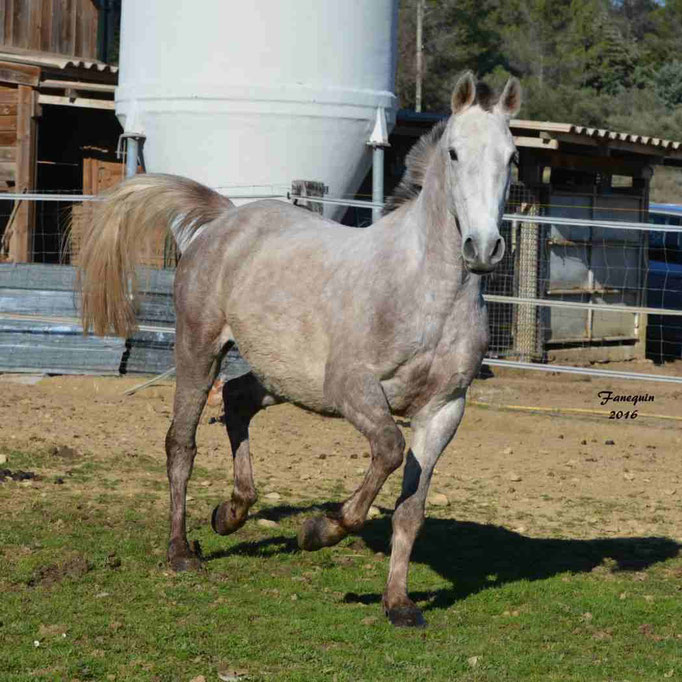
x: 605, y: 63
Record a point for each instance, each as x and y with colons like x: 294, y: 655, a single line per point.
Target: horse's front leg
x: 433, y: 428
x: 360, y: 398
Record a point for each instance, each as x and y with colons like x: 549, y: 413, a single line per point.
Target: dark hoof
x: 320, y: 532
x: 187, y: 561
x: 186, y: 558
x: 223, y: 520
x: 406, y: 617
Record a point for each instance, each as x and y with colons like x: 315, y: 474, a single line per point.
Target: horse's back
x: 264, y: 270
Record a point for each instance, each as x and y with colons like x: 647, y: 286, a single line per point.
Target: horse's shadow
x: 473, y: 556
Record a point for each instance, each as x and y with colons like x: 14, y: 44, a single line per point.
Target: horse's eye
x: 453, y: 155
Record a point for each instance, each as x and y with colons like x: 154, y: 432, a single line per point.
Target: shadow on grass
x: 473, y: 556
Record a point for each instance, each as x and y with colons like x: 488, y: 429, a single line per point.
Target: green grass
x: 500, y: 606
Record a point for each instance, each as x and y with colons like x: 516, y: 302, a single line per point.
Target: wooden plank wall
x: 8, y: 136
x: 67, y: 27
x: 21, y: 241
x: 99, y: 175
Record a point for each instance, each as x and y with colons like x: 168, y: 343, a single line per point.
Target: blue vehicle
x: 664, y: 284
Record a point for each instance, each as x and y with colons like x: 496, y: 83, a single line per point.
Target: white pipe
x: 549, y: 303
x: 608, y: 373
x: 377, y: 182
x: 132, y: 146
x: 543, y: 220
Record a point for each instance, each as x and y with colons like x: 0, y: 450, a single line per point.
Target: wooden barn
x: 58, y: 130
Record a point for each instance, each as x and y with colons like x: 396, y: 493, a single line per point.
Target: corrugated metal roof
x: 56, y: 61
x: 553, y: 129
x: 548, y: 134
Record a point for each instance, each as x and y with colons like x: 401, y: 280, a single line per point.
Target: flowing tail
x: 131, y: 215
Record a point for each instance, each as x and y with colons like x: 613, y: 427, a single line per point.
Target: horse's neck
x: 439, y: 236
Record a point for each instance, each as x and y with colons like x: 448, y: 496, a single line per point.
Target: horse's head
x: 479, y: 154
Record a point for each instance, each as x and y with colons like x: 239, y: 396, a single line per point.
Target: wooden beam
x: 572, y: 138
x: 77, y: 85
x: 21, y: 240
x: 82, y: 102
x: 536, y: 143
x: 549, y: 126
x: 20, y: 74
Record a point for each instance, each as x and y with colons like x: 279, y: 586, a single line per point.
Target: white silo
x: 257, y: 92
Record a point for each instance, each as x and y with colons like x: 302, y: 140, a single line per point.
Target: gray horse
x: 365, y: 324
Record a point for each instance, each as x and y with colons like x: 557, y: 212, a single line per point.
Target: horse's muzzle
x: 482, y: 255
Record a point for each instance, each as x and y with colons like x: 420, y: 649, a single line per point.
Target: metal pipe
x: 605, y: 307
x: 132, y: 146
x: 608, y: 373
x: 589, y: 290
x: 542, y: 220
x: 558, y: 342
x: 420, y: 56
x: 580, y: 222
x: 377, y: 181
x: 626, y: 243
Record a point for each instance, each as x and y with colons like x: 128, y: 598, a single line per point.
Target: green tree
x: 604, y: 63
x: 668, y: 81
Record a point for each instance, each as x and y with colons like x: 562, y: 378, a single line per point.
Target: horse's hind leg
x: 361, y: 400
x: 195, y: 371
x: 244, y: 397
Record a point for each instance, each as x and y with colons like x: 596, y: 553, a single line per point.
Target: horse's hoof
x: 186, y: 557
x: 320, y: 532
x: 185, y: 562
x: 224, y: 522
x: 406, y: 617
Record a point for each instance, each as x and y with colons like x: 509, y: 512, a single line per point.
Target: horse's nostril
x: 469, y: 249
x: 498, y: 251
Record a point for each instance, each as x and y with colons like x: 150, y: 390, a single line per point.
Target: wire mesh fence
x: 602, y: 286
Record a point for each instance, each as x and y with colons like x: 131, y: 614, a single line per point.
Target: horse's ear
x: 464, y: 94
x: 510, y: 99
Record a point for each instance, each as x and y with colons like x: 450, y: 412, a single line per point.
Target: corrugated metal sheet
x: 48, y: 345
x: 56, y: 61
x: 598, y: 134
x: 39, y: 330
x: 30, y: 346
x: 55, y: 343
x: 152, y: 352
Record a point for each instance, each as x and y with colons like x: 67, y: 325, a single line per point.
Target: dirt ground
x: 541, y: 474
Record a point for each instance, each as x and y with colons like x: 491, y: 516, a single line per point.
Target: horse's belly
x: 290, y: 367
